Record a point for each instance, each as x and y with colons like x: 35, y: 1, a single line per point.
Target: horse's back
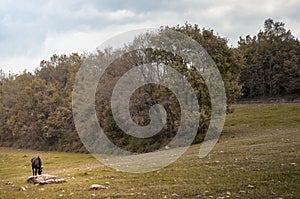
x: 36, y: 161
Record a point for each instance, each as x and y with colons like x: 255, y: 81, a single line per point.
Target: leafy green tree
x: 227, y: 60
x: 36, y: 109
x: 272, y: 60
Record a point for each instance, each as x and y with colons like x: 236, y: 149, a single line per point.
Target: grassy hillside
x: 257, y: 156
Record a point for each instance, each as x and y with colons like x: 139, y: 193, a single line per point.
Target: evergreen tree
x: 272, y: 60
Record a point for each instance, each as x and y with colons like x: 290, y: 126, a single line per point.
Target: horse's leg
x: 32, y: 170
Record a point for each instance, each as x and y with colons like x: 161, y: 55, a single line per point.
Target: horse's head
x: 40, y: 170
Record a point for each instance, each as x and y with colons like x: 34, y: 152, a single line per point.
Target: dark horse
x: 36, y: 164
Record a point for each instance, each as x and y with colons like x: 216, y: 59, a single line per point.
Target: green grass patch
x: 257, y: 156
x: 265, y: 116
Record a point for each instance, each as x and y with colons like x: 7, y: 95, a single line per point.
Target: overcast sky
x: 31, y: 31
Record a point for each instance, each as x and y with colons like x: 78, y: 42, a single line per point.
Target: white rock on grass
x: 292, y: 163
x: 98, y: 187
x: 175, y: 194
x: 250, y: 186
x: 45, y: 179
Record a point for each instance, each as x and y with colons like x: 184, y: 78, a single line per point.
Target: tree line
x: 36, y: 108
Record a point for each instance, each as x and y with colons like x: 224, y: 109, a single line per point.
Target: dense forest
x: 36, y: 108
x: 271, y: 62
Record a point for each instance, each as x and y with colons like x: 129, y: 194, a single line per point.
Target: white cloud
x: 31, y: 31
x: 19, y: 63
x: 66, y: 43
x: 120, y: 14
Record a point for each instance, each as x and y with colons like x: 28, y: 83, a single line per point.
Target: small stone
x: 9, y: 183
x: 107, y: 183
x: 60, y: 195
x: 250, y: 186
x: 93, y: 194
x: 22, y: 189
x: 273, y: 193
x: 228, y: 193
x: 98, y: 186
x: 292, y: 163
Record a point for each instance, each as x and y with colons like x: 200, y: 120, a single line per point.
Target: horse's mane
x: 39, y: 160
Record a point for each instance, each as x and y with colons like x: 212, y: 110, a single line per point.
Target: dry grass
x: 257, y: 156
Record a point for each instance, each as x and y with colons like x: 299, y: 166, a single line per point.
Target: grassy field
x: 257, y: 156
